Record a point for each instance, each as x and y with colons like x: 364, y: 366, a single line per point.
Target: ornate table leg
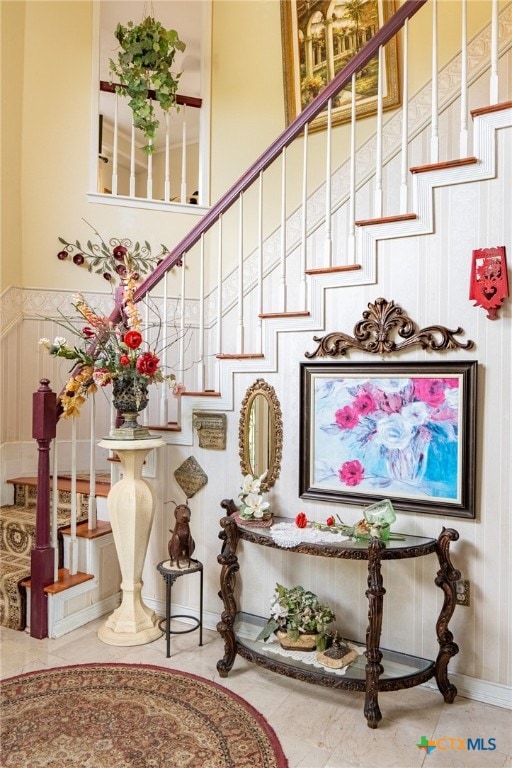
x: 131, y: 512
x: 446, y: 577
x: 229, y: 562
x: 375, y: 594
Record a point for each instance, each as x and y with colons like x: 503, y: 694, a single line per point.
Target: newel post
x: 44, y: 428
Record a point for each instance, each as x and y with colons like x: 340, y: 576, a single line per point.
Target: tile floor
x: 318, y: 727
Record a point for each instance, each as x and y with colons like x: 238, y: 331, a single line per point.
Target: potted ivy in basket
x: 144, y: 62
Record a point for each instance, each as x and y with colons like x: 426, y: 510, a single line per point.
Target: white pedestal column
x: 131, y: 509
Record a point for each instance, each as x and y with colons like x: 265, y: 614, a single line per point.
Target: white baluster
x: 434, y: 136
x: 351, y: 244
x: 200, y: 365
x: 167, y: 182
x: 164, y: 405
x: 304, y: 223
x: 114, y: 149
x: 73, y: 542
x: 494, y: 85
x: 377, y: 199
x: 149, y: 184
x: 259, y: 329
x: 91, y: 512
x: 463, y: 143
x: 282, y: 284
x: 328, y: 189
x: 184, y: 158
x: 181, y: 364
x: 240, y: 329
x: 404, y: 165
x: 219, y: 302
x: 132, y: 163
x: 55, y: 502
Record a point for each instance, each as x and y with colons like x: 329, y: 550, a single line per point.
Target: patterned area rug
x: 130, y: 716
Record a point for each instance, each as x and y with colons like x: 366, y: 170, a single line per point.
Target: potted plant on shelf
x: 298, y: 619
x: 144, y: 64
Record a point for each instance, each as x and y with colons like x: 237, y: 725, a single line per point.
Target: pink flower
x: 351, y: 472
x: 346, y: 418
x: 388, y: 403
x: 88, y: 332
x: 364, y: 404
x: 431, y: 391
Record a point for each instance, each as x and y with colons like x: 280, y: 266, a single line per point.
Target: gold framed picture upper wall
x: 319, y: 39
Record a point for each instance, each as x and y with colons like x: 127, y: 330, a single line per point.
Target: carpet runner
x: 17, y: 538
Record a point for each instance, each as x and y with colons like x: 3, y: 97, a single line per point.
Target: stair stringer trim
x: 368, y: 237
x: 424, y: 184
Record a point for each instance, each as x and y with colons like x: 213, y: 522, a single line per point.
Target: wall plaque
x: 211, y: 429
x: 190, y: 477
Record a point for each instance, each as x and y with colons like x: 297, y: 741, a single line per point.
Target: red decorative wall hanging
x: 489, y: 280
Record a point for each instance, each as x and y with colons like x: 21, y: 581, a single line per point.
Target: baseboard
x: 81, y: 618
x: 478, y: 690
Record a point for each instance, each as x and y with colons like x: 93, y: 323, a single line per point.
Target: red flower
x: 330, y: 521
x: 119, y: 252
x: 351, y: 472
x: 124, y: 360
x: 133, y: 339
x: 301, y: 520
x: 147, y: 364
x: 88, y: 332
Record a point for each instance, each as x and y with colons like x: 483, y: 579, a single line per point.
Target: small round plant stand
x: 131, y: 510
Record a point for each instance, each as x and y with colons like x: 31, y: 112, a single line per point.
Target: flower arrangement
x: 297, y: 611
x: 252, y: 506
x: 104, y: 354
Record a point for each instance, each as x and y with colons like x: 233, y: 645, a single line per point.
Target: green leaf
x: 269, y: 628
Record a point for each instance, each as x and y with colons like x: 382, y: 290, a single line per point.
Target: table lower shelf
x: 400, y: 670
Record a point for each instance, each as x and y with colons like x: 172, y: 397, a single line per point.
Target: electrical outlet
x: 462, y: 592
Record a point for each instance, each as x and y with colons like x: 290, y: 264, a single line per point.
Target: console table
x: 378, y: 669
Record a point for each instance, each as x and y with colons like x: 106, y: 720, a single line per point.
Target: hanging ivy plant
x: 144, y: 64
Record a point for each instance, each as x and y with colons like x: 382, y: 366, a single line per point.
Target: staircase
x: 277, y: 281
x: 70, y: 598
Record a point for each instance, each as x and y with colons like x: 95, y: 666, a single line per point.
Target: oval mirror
x: 261, y: 433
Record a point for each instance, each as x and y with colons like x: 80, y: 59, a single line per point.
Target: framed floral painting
x: 319, y: 40
x: 401, y: 431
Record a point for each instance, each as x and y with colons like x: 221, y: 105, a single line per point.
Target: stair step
x: 333, y: 270
x: 82, y: 530
x: 204, y: 393
x: 446, y: 164
x: 491, y: 108
x: 65, y: 581
x: 64, y: 484
x: 270, y: 315
x: 240, y: 356
x: 386, y: 220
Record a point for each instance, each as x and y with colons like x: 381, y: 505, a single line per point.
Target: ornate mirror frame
x: 260, y: 388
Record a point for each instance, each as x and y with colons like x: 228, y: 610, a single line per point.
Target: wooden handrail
x: 360, y: 60
x: 183, y: 101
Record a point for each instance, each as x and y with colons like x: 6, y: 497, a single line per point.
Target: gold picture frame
x: 314, y: 52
